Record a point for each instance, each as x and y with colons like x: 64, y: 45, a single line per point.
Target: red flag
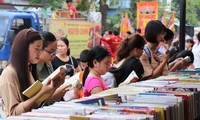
x: 170, y: 23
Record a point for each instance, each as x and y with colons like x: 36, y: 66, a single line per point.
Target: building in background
x: 114, y: 5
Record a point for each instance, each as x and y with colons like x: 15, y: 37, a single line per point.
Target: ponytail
x: 85, y: 74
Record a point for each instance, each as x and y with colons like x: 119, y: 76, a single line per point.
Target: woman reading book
x: 21, y: 73
x: 44, y: 66
x: 153, y: 66
x: 128, y: 55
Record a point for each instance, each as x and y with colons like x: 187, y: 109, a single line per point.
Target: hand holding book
x: 60, y: 92
x: 47, y: 87
x: 130, y: 79
x: 73, y: 81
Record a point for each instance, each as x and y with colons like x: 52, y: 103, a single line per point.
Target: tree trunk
x: 103, y: 10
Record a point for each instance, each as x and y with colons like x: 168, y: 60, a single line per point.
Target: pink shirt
x: 92, y: 82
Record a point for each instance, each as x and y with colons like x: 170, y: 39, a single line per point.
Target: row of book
x: 172, y: 97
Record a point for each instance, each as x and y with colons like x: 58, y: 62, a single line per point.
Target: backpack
x: 148, y: 52
x: 70, y: 68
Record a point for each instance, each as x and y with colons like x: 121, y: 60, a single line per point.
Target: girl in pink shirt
x: 98, y: 63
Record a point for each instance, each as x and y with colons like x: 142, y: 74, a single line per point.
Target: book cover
x: 98, y: 101
x: 60, y: 70
x: 33, y: 89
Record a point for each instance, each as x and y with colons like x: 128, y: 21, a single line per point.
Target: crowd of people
x: 35, y: 55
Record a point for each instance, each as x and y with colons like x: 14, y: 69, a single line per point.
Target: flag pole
x: 182, y: 25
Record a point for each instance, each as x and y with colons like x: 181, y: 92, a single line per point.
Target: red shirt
x: 113, y: 42
x: 104, y: 44
x: 106, y: 41
x: 116, y: 40
x: 72, y: 12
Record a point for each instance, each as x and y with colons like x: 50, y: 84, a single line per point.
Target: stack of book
x: 172, y: 97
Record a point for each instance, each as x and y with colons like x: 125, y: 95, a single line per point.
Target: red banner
x: 146, y: 11
x: 1, y: 1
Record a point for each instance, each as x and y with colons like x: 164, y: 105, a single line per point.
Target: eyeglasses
x: 51, y: 53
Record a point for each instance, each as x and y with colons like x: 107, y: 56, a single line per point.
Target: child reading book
x: 98, y: 63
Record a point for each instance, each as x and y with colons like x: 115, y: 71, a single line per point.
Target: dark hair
x: 116, y: 33
x: 183, y: 54
x: 138, y: 30
x: 110, y: 32
x: 190, y: 41
x: 198, y: 36
x: 126, y: 46
x: 152, y: 29
x: 169, y: 35
x: 48, y: 38
x: 67, y: 1
x: 129, y: 32
x: 84, y: 56
x: 66, y: 41
x: 20, y: 55
x: 96, y: 53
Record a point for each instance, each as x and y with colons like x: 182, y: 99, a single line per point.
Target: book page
x: 60, y: 70
x: 131, y: 78
x: 74, y: 80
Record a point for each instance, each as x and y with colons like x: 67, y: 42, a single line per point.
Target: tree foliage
x: 198, y: 4
x: 54, y: 4
x: 191, y: 10
x: 83, y: 6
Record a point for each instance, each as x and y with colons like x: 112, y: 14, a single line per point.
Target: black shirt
x: 126, y: 68
x: 56, y: 62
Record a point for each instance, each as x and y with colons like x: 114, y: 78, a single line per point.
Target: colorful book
x: 98, y: 101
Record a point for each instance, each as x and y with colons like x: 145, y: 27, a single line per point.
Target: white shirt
x: 109, y: 79
x: 196, y: 52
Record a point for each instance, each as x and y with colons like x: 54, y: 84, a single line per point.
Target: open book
x: 35, y: 88
x: 131, y: 78
x: 74, y: 80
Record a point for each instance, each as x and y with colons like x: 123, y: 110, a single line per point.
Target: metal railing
x: 61, y: 13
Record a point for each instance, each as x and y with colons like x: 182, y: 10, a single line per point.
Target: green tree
x: 198, y: 3
x: 191, y: 10
x: 83, y: 6
x: 54, y: 4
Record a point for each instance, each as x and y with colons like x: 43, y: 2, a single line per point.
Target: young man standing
x: 71, y: 9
